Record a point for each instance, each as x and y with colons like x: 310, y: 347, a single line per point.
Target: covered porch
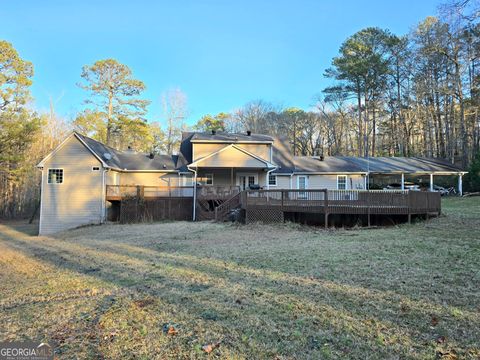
x: 426, y: 181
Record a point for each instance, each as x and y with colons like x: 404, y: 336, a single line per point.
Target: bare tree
x: 174, y: 112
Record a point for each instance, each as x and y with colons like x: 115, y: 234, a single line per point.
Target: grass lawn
x: 166, y: 290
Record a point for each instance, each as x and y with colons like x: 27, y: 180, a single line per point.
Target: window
x: 208, y: 179
x: 272, y: 180
x: 246, y: 180
x: 95, y: 168
x: 302, y: 184
x: 342, y: 182
x: 55, y: 176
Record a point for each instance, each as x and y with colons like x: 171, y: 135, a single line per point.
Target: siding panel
x: 78, y: 200
x: 202, y: 150
x: 354, y: 182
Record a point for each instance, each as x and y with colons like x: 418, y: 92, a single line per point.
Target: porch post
x: 431, y: 182
x: 460, y: 184
x: 403, y: 181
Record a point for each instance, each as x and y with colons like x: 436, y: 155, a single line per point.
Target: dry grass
x: 282, y: 292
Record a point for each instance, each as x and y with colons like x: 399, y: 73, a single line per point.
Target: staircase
x: 223, y: 211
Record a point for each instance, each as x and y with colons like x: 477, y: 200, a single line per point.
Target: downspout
x: 104, y: 196
x: 268, y: 175
x: 41, y: 203
x: 194, y: 216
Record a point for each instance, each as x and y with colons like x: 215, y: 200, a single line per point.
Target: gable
x: 70, y: 152
x: 201, y: 150
x: 231, y: 156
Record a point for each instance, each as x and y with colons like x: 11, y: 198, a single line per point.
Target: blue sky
x: 222, y: 54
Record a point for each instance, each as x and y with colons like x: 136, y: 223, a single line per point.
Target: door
x: 302, y: 184
x: 245, y: 180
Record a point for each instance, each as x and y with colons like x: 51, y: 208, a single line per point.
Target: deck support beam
x: 460, y: 184
x: 431, y: 182
x: 403, y: 181
x: 326, y: 220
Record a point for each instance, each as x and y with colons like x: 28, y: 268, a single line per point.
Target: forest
x: 415, y: 94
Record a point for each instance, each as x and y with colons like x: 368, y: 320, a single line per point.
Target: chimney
x: 214, y: 132
x: 249, y: 133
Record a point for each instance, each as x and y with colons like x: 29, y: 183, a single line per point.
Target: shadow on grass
x: 278, y: 312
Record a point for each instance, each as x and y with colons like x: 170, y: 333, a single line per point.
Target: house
x: 77, y: 174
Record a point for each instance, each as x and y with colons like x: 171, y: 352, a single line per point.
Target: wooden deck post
x: 325, y: 194
x: 460, y: 185
x: 409, y: 202
x: 368, y: 208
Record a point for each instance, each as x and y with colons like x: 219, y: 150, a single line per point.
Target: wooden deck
x: 270, y: 205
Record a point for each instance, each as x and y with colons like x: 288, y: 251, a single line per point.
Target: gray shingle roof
x: 230, y: 137
x: 352, y: 164
x: 330, y: 164
x: 127, y: 160
x: 402, y: 164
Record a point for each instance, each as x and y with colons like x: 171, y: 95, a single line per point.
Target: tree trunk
x: 360, y: 127
x: 109, y: 120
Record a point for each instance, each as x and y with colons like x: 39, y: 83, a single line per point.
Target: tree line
x: 390, y: 95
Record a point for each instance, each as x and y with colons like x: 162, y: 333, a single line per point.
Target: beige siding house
x: 72, y: 188
x: 76, y: 175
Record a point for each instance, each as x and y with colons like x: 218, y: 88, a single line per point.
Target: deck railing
x: 345, y: 201
x: 227, y: 206
x: 119, y: 192
x: 211, y: 192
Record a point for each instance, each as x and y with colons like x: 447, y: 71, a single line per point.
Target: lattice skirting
x: 264, y: 215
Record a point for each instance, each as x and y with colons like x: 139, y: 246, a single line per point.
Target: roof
x: 230, y: 137
x: 186, y: 146
x: 330, y: 164
x: 403, y: 164
x: 129, y: 160
x: 379, y: 165
x: 282, y: 158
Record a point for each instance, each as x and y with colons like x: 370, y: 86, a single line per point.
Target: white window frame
x: 298, y: 181
x: 239, y: 175
x: 55, y: 183
x: 302, y: 195
x: 95, y: 168
x: 275, y: 177
x: 346, y: 181
x: 206, y: 179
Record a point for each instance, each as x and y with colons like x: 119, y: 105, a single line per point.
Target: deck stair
x: 224, y: 211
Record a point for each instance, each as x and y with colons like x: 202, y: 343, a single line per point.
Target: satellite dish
x: 107, y: 156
